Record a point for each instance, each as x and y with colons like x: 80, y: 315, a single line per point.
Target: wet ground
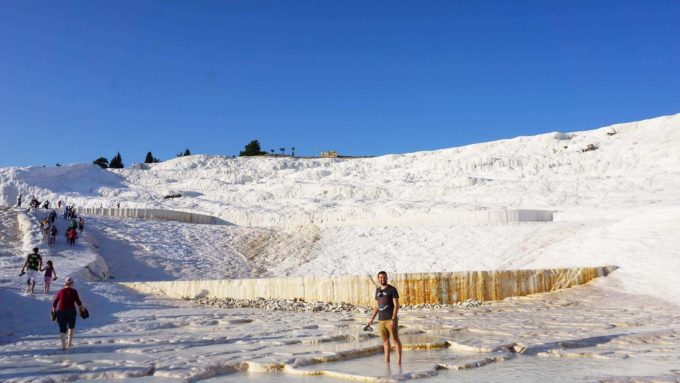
x: 587, y: 333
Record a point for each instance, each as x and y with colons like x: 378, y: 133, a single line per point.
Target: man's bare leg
x: 386, y: 348
x: 71, y: 332
x: 62, y: 336
x: 397, y: 341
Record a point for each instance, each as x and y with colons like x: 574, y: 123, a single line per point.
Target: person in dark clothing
x: 32, y: 265
x: 19, y: 201
x: 53, y: 216
x: 387, y: 304
x: 64, y: 306
x: 53, y: 235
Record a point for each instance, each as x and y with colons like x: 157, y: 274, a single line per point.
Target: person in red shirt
x: 64, y: 305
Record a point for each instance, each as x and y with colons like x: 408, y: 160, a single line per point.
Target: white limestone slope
x: 617, y: 204
x: 634, y: 167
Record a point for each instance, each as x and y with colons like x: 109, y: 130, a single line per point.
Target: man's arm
x: 375, y: 312
x: 396, y: 308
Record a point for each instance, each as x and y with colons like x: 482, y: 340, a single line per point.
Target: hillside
x: 614, y: 190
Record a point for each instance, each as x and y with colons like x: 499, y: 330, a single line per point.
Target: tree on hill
x: 185, y: 153
x: 150, y: 159
x: 283, y: 150
x: 293, y: 151
x: 252, y: 149
x: 101, y: 162
x: 116, y: 162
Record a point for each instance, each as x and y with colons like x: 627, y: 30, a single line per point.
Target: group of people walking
x: 64, y: 304
x: 76, y: 225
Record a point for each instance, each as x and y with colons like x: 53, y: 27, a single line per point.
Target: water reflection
x: 529, y: 369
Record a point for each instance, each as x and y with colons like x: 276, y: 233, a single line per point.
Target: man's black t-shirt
x: 33, y: 261
x: 385, y: 301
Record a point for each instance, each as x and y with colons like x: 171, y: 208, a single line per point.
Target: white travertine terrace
x: 414, y: 288
x: 158, y: 214
x: 462, y: 217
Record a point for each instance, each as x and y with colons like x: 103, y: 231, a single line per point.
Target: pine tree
x: 101, y: 162
x: 252, y: 149
x: 293, y: 151
x: 186, y: 152
x: 283, y: 150
x: 149, y: 158
x: 116, y: 162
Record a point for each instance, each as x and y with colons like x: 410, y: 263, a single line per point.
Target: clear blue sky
x: 80, y: 80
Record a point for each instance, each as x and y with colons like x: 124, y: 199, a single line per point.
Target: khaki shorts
x: 385, y: 328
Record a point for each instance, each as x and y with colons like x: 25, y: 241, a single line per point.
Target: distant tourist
x: 52, y: 216
x: 49, y: 276
x: 19, y: 201
x: 64, y: 308
x: 53, y: 235
x: 71, y: 236
x: 81, y: 224
x: 46, y: 204
x: 31, y: 266
x: 387, y: 305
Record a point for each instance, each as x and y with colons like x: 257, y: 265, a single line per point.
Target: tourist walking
x: 53, y: 235
x: 387, y: 307
x: 64, y: 308
x: 81, y: 224
x: 31, y: 267
x: 19, y: 201
x: 49, y: 276
x: 53, y: 216
x: 71, y: 236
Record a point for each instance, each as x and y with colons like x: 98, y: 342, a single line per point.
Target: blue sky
x: 80, y: 80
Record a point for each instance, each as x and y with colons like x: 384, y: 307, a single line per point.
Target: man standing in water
x: 387, y: 304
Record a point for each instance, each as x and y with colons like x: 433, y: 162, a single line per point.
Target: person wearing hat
x: 64, y: 305
x: 31, y: 266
